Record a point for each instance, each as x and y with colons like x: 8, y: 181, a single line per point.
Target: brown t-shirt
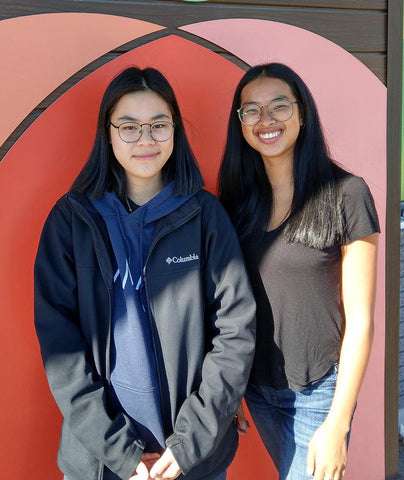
x: 300, y: 316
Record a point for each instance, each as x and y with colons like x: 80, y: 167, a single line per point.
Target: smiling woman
x: 309, y: 232
x: 141, y: 378
x: 142, y: 152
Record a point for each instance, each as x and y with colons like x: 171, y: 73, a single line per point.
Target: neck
x: 142, y: 192
x: 279, y: 173
x: 280, y: 176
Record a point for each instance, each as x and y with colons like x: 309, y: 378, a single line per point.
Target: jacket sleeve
x: 68, y: 356
x: 207, y: 413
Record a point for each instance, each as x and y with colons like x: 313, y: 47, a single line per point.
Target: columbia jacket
x: 202, y: 318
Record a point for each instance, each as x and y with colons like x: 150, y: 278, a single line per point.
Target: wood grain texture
x: 354, y: 30
x: 394, y: 101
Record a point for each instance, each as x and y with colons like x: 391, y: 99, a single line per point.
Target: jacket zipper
x: 164, y: 393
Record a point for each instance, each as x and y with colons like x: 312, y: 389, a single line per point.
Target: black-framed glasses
x: 130, y: 132
x: 279, y: 110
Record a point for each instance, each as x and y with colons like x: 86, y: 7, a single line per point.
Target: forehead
x: 265, y: 89
x: 141, y: 105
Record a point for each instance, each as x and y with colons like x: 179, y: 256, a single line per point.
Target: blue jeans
x: 286, y: 421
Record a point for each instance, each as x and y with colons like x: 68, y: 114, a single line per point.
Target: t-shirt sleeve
x: 359, y: 210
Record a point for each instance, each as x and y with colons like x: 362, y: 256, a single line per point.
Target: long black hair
x: 103, y: 172
x: 244, y: 188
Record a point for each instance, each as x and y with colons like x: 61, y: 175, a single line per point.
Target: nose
x: 266, y: 117
x: 145, y: 135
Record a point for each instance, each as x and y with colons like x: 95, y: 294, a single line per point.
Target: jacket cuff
x: 131, y: 461
x: 174, y: 443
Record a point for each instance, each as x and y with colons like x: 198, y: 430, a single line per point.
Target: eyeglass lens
x: 279, y: 110
x: 159, y: 131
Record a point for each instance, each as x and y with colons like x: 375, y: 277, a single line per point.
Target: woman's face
x: 143, y: 159
x: 273, y: 139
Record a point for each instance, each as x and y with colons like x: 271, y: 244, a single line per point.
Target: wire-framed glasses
x: 130, y: 132
x: 279, y: 110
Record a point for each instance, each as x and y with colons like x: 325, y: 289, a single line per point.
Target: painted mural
x: 43, y: 162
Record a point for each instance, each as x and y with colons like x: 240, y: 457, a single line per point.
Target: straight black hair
x: 245, y: 191
x: 103, y: 172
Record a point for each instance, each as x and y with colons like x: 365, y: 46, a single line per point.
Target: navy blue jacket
x: 202, y: 318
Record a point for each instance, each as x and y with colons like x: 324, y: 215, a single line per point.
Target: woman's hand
x: 242, y: 422
x: 166, y: 468
x: 146, y: 463
x: 327, y: 454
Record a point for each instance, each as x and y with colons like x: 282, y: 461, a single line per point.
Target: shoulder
x: 355, y: 192
x: 351, y: 184
x: 211, y: 208
x: 64, y: 208
x: 206, y: 198
x: 358, y: 208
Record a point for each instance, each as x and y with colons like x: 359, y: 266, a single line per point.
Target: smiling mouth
x: 146, y: 156
x: 270, y: 135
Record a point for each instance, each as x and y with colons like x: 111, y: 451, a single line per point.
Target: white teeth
x: 267, y: 136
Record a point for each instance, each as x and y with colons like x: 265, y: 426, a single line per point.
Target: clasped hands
x: 153, y: 466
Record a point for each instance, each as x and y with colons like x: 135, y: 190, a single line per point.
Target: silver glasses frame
x: 261, y: 107
x: 141, y: 125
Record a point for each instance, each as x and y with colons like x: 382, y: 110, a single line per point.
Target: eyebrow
x: 280, y: 97
x: 128, y: 118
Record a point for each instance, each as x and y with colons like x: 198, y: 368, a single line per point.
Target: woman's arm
x: 327, y: 455
x: 68, y: 358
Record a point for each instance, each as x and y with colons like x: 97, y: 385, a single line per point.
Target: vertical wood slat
x: 394, y: 97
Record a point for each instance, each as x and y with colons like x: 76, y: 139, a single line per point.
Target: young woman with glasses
x: 309, y: 232
x: 143, y: 308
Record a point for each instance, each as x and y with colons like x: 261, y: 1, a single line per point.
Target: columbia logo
x: 190, y: 258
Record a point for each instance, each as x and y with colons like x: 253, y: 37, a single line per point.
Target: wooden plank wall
x: 358, y: 26
x: 394, y: 102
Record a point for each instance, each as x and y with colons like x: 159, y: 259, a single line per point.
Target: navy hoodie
x: 133, y: 373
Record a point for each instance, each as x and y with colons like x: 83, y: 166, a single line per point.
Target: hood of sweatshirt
x: 133, y: 364
x: 136, y: 228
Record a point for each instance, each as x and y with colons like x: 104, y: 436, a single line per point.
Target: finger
x: 160, y: 466
x: 149, y: 464
x: 339, y: 474
x: 240, y: 413
x: 242, y: 426
x: 331, y: 476
x: 150, y: 456
x: 172, y: 471
x: 141, y: 472
x: 310, y: 462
